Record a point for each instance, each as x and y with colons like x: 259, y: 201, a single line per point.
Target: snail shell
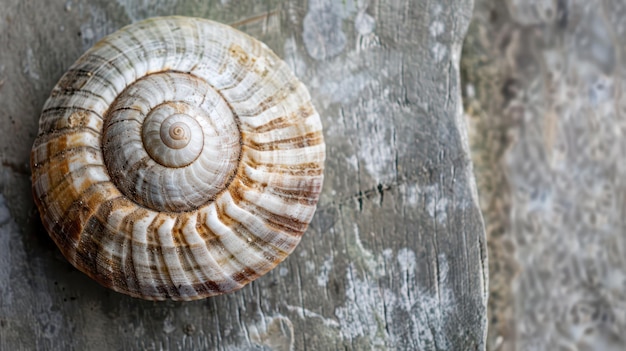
x: 177, y: 158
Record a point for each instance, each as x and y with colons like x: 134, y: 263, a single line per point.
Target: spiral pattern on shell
x: 177, y: 158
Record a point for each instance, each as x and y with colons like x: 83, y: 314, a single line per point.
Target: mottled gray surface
x: 394, y: 258
x: 545, y: 93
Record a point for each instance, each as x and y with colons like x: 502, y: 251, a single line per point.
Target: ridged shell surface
x: 178, y: 158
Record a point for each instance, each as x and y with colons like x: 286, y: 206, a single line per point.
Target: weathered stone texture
x: 544, y: 89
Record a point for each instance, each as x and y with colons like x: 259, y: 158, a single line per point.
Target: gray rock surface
x: 395, y: 257
x: 544, y: 90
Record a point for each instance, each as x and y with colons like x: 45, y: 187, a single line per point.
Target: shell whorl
x: 185, y: 133
x: 177, y: 158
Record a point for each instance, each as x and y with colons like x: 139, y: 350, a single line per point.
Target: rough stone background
x: 395, y: 257
x: 544, y: 88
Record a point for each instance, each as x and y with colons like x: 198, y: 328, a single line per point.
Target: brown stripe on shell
x: 118, y: 278
x: 177, y: 251
x: 127, y: 274
x: 191, y: 225
x: 243, y: 60
x: 63, y: 190
x: 75, y: 80
x: 240, y: 55
x: 300, y: 141
x: 205, y: 233
x: 208, y: 288
x: 311, y: 169
x: 286, y: 91
x: 138, y: 99
x: 212, y: 242
x: 141, y: 268
x: 87, y: 253
x: 185, y: 255
x: 59, y: 175
x: 162, y: 284
x: 243, y: 274
x: 70, y: 119
x: 55, y: 208
x: 57, y: 142
x: 285, y: 224
x: 281, y: 84
x: 204, y: 285
x: 72, y: 82
x: 235, y: 80
x: 282, y: 94
x: 305, y: 192
x: 167, y: 287
x: 271, y: 253
x: 133, y: 108
x: 302, y: 113
x: 56, y: 110
x: 139, y: 254
x: 246, y: 274
x: 82, y: 209
x: 108, y: 264
x: 99, y: 232
x: 47, y: 174
x: 253, y: 160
